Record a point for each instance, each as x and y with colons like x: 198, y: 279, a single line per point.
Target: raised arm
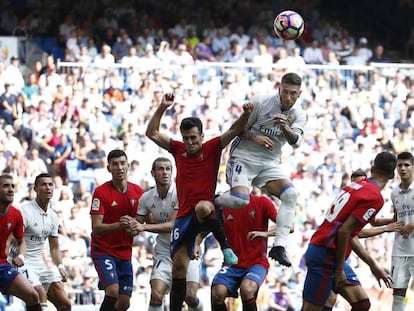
x: 153, y: 128
x: 238, y: 127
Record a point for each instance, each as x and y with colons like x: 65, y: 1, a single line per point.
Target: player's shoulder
x: 14, y: 211
x: 148, y: 194
x: 135, y: 187
x: 27, y: 207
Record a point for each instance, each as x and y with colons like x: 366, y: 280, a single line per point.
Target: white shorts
x: 245, y: 173
x: 162, y: 270
x: 41, y: 275
x: 402, y: 269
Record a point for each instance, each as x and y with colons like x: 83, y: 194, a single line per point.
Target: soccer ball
x: 288, y: 25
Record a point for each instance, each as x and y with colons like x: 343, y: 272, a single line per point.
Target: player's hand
x: 167, y: 100
x: 380, y: 274
x: 196, y: 251
x: 264, y: 142
x: 18, y: 261
x: 394, y: 226
x: 125, y: 221
x: 406, y: 230
x: 257, y: 235
x: 281, y: 120
x: 248, y: 107
x: 63, y: 274
x: 339, y: 279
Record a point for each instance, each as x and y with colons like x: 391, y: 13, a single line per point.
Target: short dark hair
x: 385, y: 164
x: 405, y: 155
x: 358, y: 173
x: 190, y: 122
x: 41, y: 175
x: 160, y: 159
x: 116, y: 153
x: 292, y: 78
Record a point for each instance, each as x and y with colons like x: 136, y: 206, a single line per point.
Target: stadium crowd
x: 64, y: 118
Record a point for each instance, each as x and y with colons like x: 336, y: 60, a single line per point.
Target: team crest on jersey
x: 368, y: 214
x: 184, y: 154
x: 201, y: 156
x: 9, y: 225
x: 289, y: 119
x: 173, y: 204
x: 133, y: 202
x: 96, y: 204
x: 252, y: 213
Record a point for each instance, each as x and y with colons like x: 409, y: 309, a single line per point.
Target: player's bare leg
x: 21, y: 288
x: 206, y: 213
x: 56, y: 294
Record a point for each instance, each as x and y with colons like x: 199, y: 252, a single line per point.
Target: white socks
x: 285, y: 216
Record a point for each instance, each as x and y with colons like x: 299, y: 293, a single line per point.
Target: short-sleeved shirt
x: 361, y: 200
x: 403, y: 202
x: 239, y: 222
x: 11, y: 222
x: 113, y: 204
x: 39, y: 225
x: 261, y: 123
x: 161, y: 210
x: 196, y: 174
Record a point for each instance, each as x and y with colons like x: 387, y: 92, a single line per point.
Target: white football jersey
x: 404, y: 207
x: 261, y: 123
x: 38, y: 227
x: 161, y: 210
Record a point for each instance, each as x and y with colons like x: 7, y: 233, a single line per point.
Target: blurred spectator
x: 203, y: 50
x: 364, y: 51
x: 378, y: 55
x: 14, y: 75
x: 313, y: 54
x: 280, y: 299
x: 240, y: 36
x: 8, y: 101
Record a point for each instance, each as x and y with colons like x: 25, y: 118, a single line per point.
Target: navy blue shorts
x: 113, y: 270
x: 185, y: 231
x: 320, y: 262
x: 232, y: 277
x: 7, y: 274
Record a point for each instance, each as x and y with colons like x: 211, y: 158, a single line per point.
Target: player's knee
x: 191, y: 300
x: 203, y: 209
x: 248, y: 290
x: 157, y: 296
x: 232, y: 199
x: 362, y: 305
x: 240, y: 199
x: 289, y: 196
x: 217, y: 295
x: 32, y: 298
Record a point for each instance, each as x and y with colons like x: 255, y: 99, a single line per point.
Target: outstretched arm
x: 153, y: 128
x: 376, y: 270
x: 392, y: 227
x: 238, y: 126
